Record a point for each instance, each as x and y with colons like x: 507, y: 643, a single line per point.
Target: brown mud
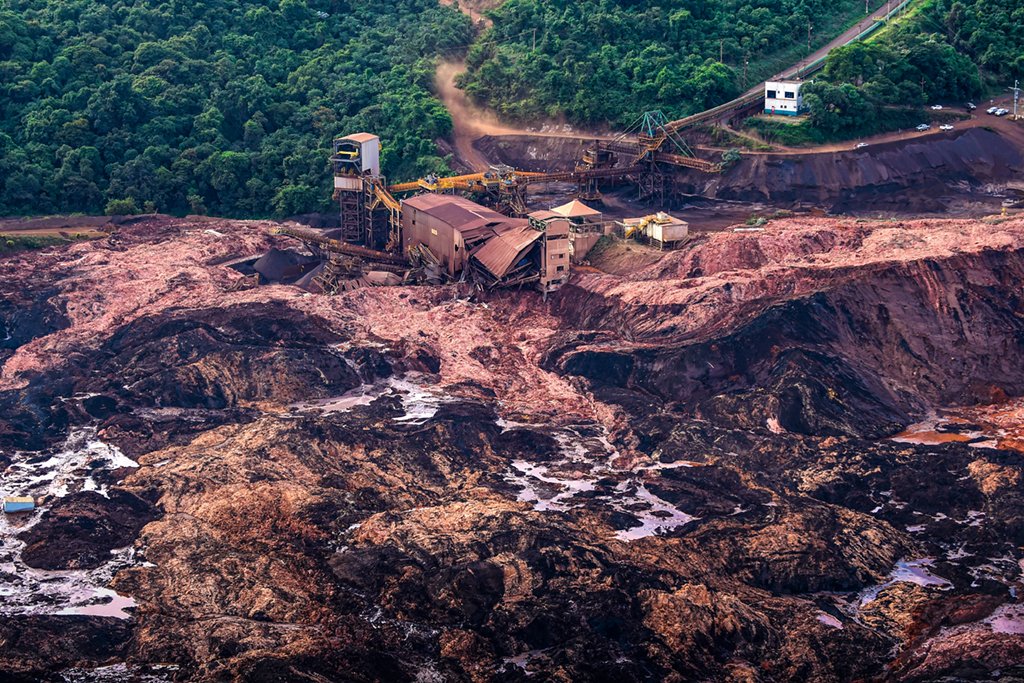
x: 680, y: 471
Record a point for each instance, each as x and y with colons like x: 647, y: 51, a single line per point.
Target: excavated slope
x: 906, y: 177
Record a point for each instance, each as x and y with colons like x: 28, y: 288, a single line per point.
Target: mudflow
x: 772, y: 456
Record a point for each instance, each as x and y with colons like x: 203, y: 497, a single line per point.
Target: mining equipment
x: 660, y: 230
x: 345, y: 266
x: 435, y: 233
x: 362, y: 194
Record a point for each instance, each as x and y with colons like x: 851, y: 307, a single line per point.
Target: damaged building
x: 470, y: 241
x: 429, y: 238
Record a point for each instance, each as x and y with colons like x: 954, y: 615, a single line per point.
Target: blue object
x: 19, y: 505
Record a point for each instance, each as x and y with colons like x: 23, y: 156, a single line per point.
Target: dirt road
x: 1012, y: 130
x: 470, y: 121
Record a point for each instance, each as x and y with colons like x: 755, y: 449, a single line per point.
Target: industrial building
x: 659, y: 230
x: 587, y: 228
x: 557, y: 248
x: 783, y: 97
x: 469, y: 240
x: 446, y: 223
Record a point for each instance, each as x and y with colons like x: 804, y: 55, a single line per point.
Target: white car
x: 923, y: 127
x: 1002, y: 112
x: 937, y: 107
x: 992, y: 110
x: 861, y: 145
x: 946, y: 127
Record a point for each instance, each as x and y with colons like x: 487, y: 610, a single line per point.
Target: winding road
x: 471, y: 122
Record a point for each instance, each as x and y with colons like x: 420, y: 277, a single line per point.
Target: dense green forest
x: 596, y: 61
x: 222, y: 106
x: 947, y: 51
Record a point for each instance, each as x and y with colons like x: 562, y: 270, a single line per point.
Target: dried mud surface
x: 717, y: 466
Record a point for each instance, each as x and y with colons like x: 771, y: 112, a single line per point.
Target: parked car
x: 971, y: 106
x: 923, y: 127
x: 1002, y: 112
x: 992, y: 110
x: 937, y: 107
x: 945, y: 126
x: 861, y: 145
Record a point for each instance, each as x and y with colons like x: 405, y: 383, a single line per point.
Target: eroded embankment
x: 905, y: 177
x: 882, y: 333
x: 914, y: 176
x: 533, y: 153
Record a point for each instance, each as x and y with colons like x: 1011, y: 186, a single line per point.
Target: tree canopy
x: 226, y: 106
x: 951, y: 50
x: 596, y: 61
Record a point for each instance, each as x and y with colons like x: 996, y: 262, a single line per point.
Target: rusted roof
x: 544, y: 215
x: 458, y: 212
x: 575, y: 209
x: 502, y: 251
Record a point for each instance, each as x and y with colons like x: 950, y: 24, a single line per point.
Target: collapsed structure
x: 439, y: 235
x: 470, y: 240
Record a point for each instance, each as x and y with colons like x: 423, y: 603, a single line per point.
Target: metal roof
x: 361, y: 137
x: 499, y: 253
x: 575, y: 209
x: 454, y: 210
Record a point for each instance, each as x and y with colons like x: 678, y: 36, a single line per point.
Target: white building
x: 783, y: 97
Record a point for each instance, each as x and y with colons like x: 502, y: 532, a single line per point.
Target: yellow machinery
x: 662, y: 218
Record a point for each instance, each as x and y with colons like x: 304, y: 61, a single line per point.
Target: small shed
x: 583, y: 217
x: 660, y: 230
x: 19, y: 504
x: 783, y: 97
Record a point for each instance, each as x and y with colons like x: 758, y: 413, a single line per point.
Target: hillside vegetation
x: 946, y: 51
x: 596, y: 61
x: 222, y: 106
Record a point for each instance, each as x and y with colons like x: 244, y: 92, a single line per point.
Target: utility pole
x: 534, y: 39
x: 721, y: 50
x: 809, y: 27
x: 1016, y: 99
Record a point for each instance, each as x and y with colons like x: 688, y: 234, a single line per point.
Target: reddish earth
x: 681, y: 470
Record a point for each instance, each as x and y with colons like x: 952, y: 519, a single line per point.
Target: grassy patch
x: 721, y: 137
x: 11, y: 242
x: 803, y: 135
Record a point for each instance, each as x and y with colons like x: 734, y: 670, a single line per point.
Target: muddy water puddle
x: 584, y: 476
x: 999, y: 425
x: 917, y: 571
x: 70, y: 469
x: 420, y: 401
